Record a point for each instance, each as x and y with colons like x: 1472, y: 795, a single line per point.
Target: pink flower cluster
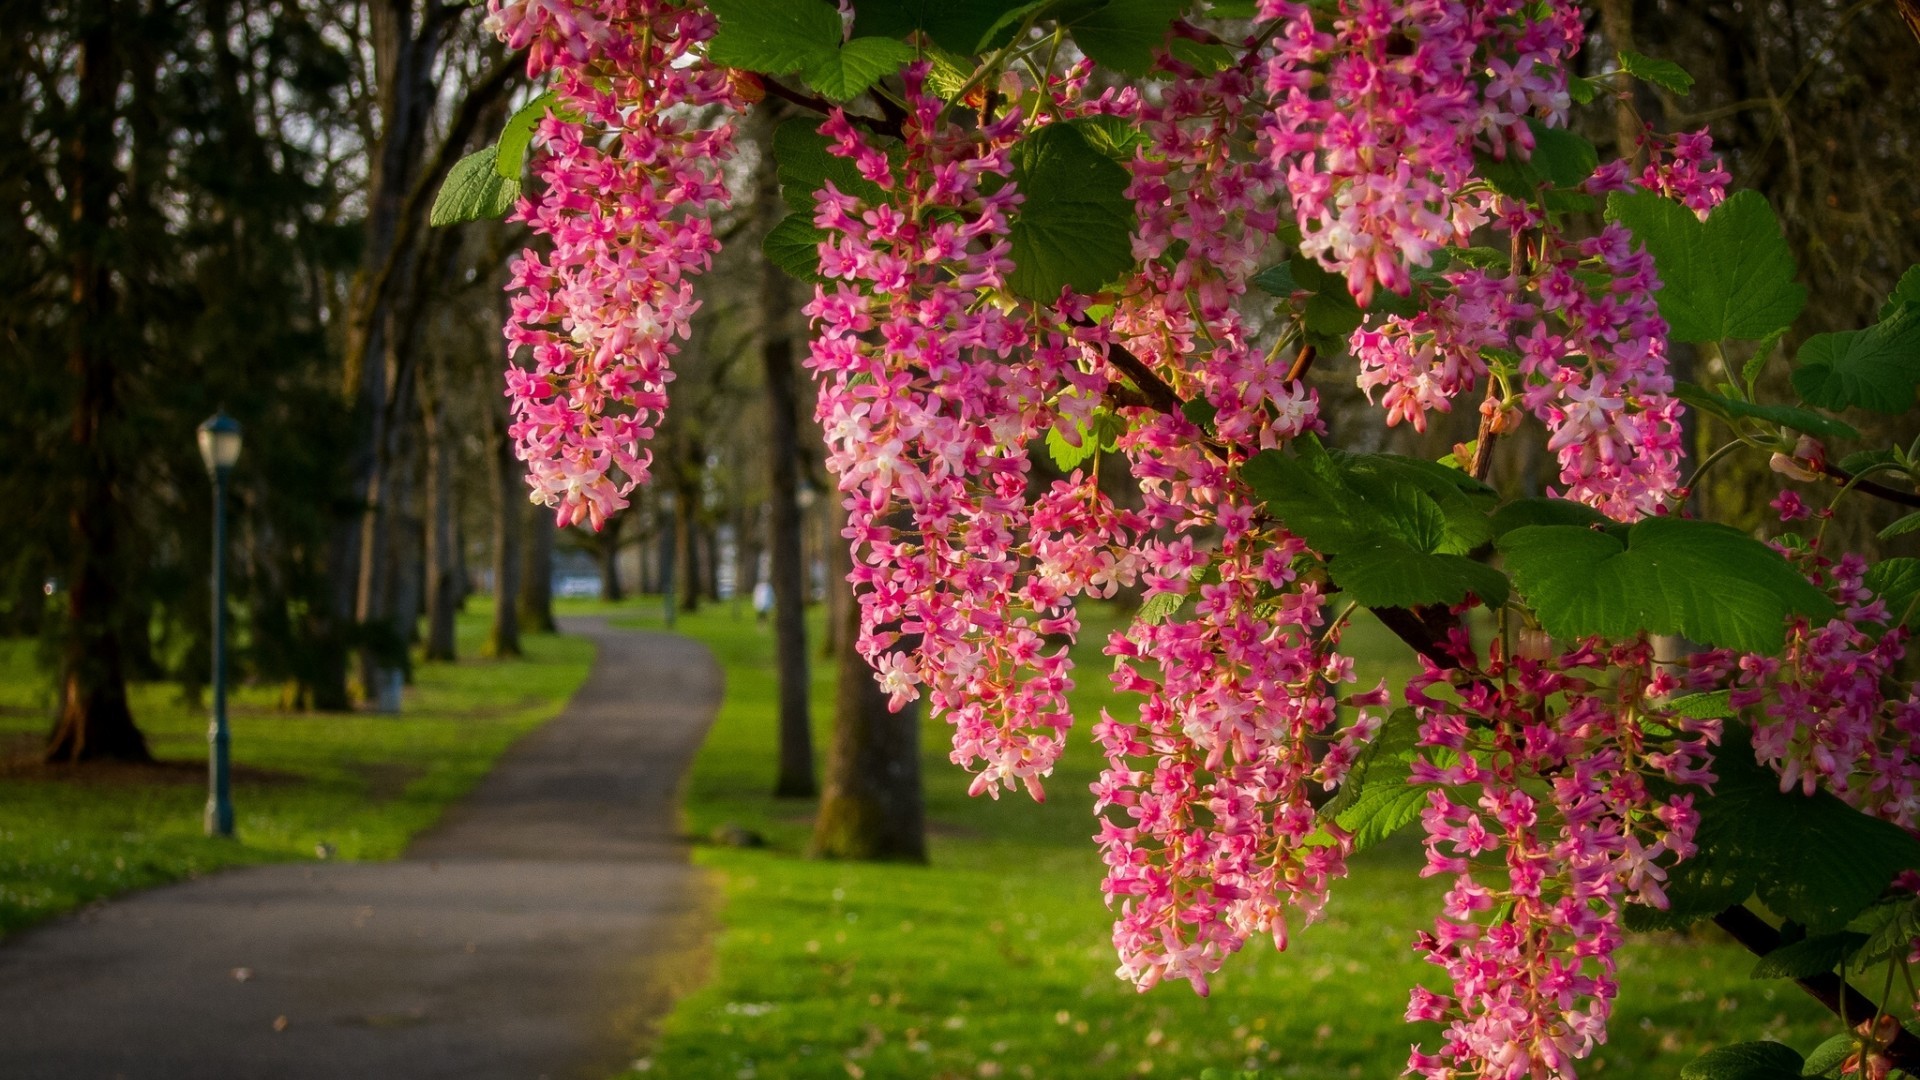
x: 1822, y: 712
x: 929, y: 400
x: 1539, y: 876
x: 1378, y: 107
x: 627, y: 181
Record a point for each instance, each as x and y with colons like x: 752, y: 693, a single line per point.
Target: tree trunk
x: 95, y: 720
x: 536, y: 579
x: 609, y: 541
x: 785, y: 570
x: 443, y: 580
x: 509, y: 514
x: 686, y: 546
x: 874, y: 807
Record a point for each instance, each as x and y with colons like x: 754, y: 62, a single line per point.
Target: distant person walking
x: 762, y: 601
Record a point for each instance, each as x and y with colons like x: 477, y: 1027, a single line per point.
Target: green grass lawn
x: 361, y: 783
x: 995, y: 960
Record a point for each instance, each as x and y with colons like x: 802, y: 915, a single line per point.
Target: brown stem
x: 1893, y: 495
x: 816, y: 103
x: 1483, y: 443
x: 1302, y: 363
x: 1830, y: 990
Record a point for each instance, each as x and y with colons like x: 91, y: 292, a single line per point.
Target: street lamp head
x: 220, y: 442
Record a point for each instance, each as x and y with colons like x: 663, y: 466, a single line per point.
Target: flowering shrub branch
x: 1012, y: 258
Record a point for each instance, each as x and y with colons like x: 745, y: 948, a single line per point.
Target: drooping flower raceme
x: 629, y: 158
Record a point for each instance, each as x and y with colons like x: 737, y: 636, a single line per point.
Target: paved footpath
x: 535, y: 932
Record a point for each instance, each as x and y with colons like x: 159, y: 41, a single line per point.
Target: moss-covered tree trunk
x: 873, y: 807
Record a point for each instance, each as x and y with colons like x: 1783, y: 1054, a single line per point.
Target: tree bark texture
x: 609, y: 541
x: 95, y: 720
x: 536, y: 578
x: 443, y: 584
x: 873, y: 808
x: 786, y: 572
x: 509, y: 514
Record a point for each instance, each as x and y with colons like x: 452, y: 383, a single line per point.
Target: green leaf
x: 1906, y: 292
x: 1582, y: 90
x: 1886, y: 931
x: 774, y: 37
x: 1523, y: 512
x: 1730, y: 276
x: 1875, y: 368
x: 1066, y: 455
x: 1828, y: 1056
x: 1201, y: 413
x: 1897, y: 581
x: 1075, y: 227
x: 1817, y: 955
x: 1745, y: 1061
x: 1662, y: 73
x: 1707, y: 581
x: 1785, y: 415
x: 1122, y: 35
x: 794, y: 246
x: 1377, y: 799
x: 1902, y: 527
x: 805, y: 166
x: 960, y: 26
x: 1391, y: 748
x: 1812, y: 859
x: 1114, y: 136
x: 1758, y: 361
x: 1863, y: 460
x: 1708, y: 706
x: 474, y: 190
x: 1389, y: 572
x: 1205, y: 57
x: 852, y: 69
x: 1562, y: 156
x: 511, y: 159
x: 1160, y: 607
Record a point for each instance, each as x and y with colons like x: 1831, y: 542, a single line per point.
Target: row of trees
x: 225, y: 205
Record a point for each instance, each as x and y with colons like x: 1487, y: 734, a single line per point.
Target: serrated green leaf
x: 1863, y: 460
x: 794, y: 246
x: 1901, y: 527
x: 1875, y: 368
x: 1075, y: 227
x: 805, y: 166
x: 1205, y: 57
x: 510, y: 159
x: 1728, y: 277
x: 1563, y: 157
x: 1390, y: 750
x: 1663, y: 73
x: 1200, y: 413
x: 1897, y: 581
x: 1068, y: 456
x: 1812, y: 859
x: 1582, y: 90
x: 1160, y: 607
x: 474, y: 190
x: 1827, y: 1058
x: 1389, y: 572
x: 1122, y: 35
x: 852, y: 69
x: 1816, y: 955
x: 1745, y: 1061
x: 774, y: 37
x: 1785, y: 415
x: 1906, y: 292
x: 956, y: 25
x: 1114, y: 136
x: 1521, y: 513
x: 1758, y: 361
x: 1886, y: 932
x: 1707, y: 581
x: 1711, y: 705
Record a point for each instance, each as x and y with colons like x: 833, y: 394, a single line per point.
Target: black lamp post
x: 219, y: 448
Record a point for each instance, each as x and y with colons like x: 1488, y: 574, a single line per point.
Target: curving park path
x: 535, y: 932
